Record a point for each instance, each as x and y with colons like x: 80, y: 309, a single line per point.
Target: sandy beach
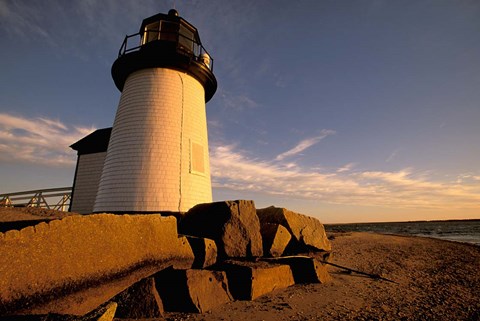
x: 436, y: 280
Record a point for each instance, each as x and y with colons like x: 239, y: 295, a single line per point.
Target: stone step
x: 248, y: 280
x: 305, y: 269
x: 192, y: 290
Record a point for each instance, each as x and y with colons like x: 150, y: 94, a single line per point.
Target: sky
x: 349, y: 111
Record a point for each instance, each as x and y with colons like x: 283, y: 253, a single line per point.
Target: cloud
x: 214, y: 123
x: 346, y: 168
x: 38, y: 140
x: 24, y: 20
x: 232, y: 169
x: 237, y: 102
x: 280, y: 82
x: 45, y: 141
x: 392, y: 156
x: 304, y: 144
x: 467, y: 177
x: 56, y: 23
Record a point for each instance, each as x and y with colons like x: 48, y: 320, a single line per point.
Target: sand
x: 436, y: 280
x: 13, y: 214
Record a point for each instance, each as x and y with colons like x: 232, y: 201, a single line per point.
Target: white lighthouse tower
x: 157, y: 157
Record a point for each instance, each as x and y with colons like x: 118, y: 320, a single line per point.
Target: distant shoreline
x: 399, y: 222
x: 462, y: 231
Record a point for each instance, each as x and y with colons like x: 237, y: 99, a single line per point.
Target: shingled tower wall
x: 157, y: 158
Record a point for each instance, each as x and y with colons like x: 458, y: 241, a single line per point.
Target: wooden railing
x: 59, y: 198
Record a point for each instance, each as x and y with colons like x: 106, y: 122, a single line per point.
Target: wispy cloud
x: 56, y: 23
x: 346, y: 168
x: 39, y: 140
x: 392, y: 156
x: 24, y: 20
x: 404, y: 188
x: 237, y: 102
x: 280, y: 81
x: 467, y: 177
x: 304, y: 144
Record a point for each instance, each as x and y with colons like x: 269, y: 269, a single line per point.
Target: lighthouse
x: 157, y: 155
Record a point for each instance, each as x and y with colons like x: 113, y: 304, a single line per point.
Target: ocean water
x: 467, y: 231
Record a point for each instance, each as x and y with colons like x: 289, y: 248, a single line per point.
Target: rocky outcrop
x: 248, y: 281
x: 307, y: 232
x: 98, y: 256
x: 233, y: 225
x: 134, y: 266
x: 105, y: 312
x: 192, y: 290
x: 139, y: 301
x: 275, y: 239
x: 205, y: 251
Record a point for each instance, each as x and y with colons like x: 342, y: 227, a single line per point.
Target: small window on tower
x: 169, y: 31
x: 151, y: 32
x: 197, y: 158
x: 186, y: 39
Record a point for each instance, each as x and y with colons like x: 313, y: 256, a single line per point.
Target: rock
x: 98, y: 255
x: 233, y: 225
x: 20, y: 224
x: 307, y: 232
x: 192, y: 290
x: 275, y: 239
x: 184, y: 250
x: 139, y: 301
x: 305, y: 269
x: 105, y: 312
x: 248, y: 281
x: 204, y: 250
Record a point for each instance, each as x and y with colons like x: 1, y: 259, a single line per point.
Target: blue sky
x: 345, y: 110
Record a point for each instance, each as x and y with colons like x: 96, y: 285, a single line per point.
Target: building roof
x: 95, y: 142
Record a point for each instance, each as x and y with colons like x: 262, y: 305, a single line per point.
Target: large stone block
x: 192, y: 290
x: 139, y: 301
x: 184, y: 250
x: 307, y: 232
x: 105, y: 312
x: 73, y: 265
x: 205, y: 251
x: 275, y: 239
x: 248, y: 281
x: 305, y: 269
x: 233, y: 225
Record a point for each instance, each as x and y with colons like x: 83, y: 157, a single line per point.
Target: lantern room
x: 165, y: 41
x: 170, y: 28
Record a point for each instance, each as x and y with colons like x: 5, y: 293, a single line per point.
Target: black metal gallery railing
x: 185, y: 45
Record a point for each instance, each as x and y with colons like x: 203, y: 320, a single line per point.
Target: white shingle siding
x: 88, y: 175
x: 160, y: 112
